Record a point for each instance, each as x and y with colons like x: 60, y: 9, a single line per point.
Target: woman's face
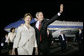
x: 13, y: 30
x: 27, y: 19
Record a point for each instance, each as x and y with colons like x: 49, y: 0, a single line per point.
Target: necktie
x: 39, y: 30
x: 39, y: 26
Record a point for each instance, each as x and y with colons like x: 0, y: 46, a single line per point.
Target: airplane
x: 69, y: 28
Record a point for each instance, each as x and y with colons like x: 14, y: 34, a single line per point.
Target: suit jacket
x: 43, y: 44
x: 25, y: 40
x: 79, y: 36
x: 50, y: 38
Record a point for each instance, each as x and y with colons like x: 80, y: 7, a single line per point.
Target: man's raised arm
x: 56, y: 16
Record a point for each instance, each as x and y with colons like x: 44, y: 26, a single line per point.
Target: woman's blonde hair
x: 27, y: 14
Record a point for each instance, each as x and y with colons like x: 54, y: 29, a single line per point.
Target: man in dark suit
x: 41, y: 30
x: 79, y: 39
x: 50, y: 38
x: 62, y: 40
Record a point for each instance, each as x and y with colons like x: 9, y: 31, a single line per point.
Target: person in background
x: 50, y: 37
x: 11, y: 36
x: 6, y: 39
x: 79, y: 40
x: 62, y: 40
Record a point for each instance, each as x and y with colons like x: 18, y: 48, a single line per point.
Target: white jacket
x: 25, y: 40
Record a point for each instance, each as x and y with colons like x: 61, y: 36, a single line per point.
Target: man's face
x: 40, y: 16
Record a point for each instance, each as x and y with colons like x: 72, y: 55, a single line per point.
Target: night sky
x: 14, y: 10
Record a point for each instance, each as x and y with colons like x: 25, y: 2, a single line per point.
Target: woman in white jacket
x: 25, y: 39
x: 11, y: 36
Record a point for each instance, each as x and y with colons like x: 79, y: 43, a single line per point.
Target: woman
x: 25, y: 39
x: 11, y: 36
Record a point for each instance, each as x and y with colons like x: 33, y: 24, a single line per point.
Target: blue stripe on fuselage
x: 54, y: 26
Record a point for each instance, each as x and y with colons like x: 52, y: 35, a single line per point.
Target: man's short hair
x: 38, y: 13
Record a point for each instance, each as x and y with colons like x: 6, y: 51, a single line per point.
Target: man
x: 62, y: 40
x: 41, y: 30
x: 79, y: 36
x: 50, y: 38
